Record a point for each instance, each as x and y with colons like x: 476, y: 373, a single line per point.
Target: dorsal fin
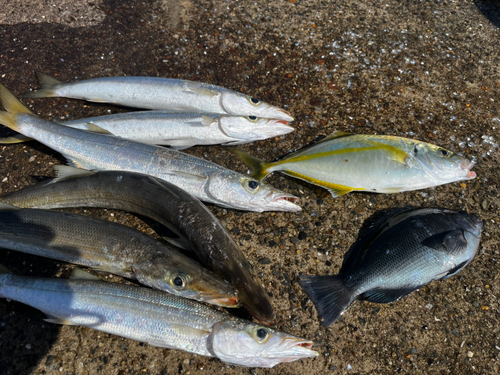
x: 45, y: 80
x: 63, y: 172
x: 335, y: 134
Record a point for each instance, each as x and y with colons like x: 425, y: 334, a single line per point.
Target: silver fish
x: 165, y: 94
x: 183, y: 130
x: 160, y: 201
x: 110, y: 247
x: 345, y: 162
x: 159, y: 319
x: 205, y: 180
x: 403, y: 251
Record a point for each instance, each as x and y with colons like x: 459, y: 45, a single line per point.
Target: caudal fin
x: 257, y: 166
x: 329, y: 294
x: 12, y: 106
x: 47, y: 82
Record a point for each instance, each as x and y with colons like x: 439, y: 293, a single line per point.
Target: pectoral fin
x: 97, y: 129
x: 60, y: 321
x: 200, y: 91
x: 188, y: 176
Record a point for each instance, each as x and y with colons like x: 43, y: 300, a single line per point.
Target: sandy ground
x: 423, y: 70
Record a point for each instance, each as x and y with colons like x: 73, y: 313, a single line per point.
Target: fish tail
x: 47, y: 82
x: 12, y: 106
x: 329, y: 294
x: 258, y: 166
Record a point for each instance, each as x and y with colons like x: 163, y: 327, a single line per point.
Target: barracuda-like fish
x: 345, y: 162
x: 183, y: 130
x: 157, y: 318
x: 403, y: 251
x: 110, y: 247
x: 179, y: 130
x: 161, y: 201
x: 165, y: 94
x: 203, y: 179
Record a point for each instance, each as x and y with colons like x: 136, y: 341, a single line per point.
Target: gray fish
x: 166, y: 94
x: 157, y: 318
x: 205, y: 180
x: 402, y: 252
x: 110, y: 247
x: 160, y: 201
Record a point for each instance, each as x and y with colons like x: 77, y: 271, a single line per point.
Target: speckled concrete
x: 424, y: 70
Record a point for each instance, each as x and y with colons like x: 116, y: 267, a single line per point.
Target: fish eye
x: 255, y: 101
x: 445, y: 153
x: 253, y: 185
x: 262, y: 334
x: 179, y: 282
x: 252, y: 118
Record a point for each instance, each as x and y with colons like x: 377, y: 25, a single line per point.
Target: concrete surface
x: 427, y: 70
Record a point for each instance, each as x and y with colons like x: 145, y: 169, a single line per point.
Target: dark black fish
x: 402, y: 252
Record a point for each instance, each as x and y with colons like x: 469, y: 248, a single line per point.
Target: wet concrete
x: 424, y: 70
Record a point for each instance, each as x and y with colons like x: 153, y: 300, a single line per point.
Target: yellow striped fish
x: 345, y: 162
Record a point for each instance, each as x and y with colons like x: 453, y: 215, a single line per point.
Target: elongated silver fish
x: 165, y: 94
x: 110, y: 247
x: 403, y: 251
x: 345, y: 162
x: 178, y: 130
x: 203, y: 179
x: 157, y: 318
x: 183, y: 130
x: 161, y: 201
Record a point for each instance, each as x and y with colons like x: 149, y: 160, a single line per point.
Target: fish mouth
x: 466, y: 166
x: 283, y: 115
x: 280, y: 127
x: 284, y: 202
x: 220, y: 300
x: 297, y: 347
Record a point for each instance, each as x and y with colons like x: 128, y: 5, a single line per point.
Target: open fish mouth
x: 286, y: 202
x: 296, y: 347
x: 467, y: 166
x: 220, y: 300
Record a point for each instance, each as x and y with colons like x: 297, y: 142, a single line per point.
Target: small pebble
x: 294, y: 240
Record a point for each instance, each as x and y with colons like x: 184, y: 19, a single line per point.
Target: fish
x: 165, y: 203
x: 403, y: 251
x: 110, y: 247
x: 345, y: 162
x: 205, y: 180
x: 159, y: 319
x: 178, y: 130
x: 164, y: 94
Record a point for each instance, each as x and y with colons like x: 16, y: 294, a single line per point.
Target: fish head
x: 249, y: 194
x: 238, y: 104
x: 251, y: 128
x: 248, y: 344
x: 469, y: 223
x: 443, y: 165
x: 186, y: 278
